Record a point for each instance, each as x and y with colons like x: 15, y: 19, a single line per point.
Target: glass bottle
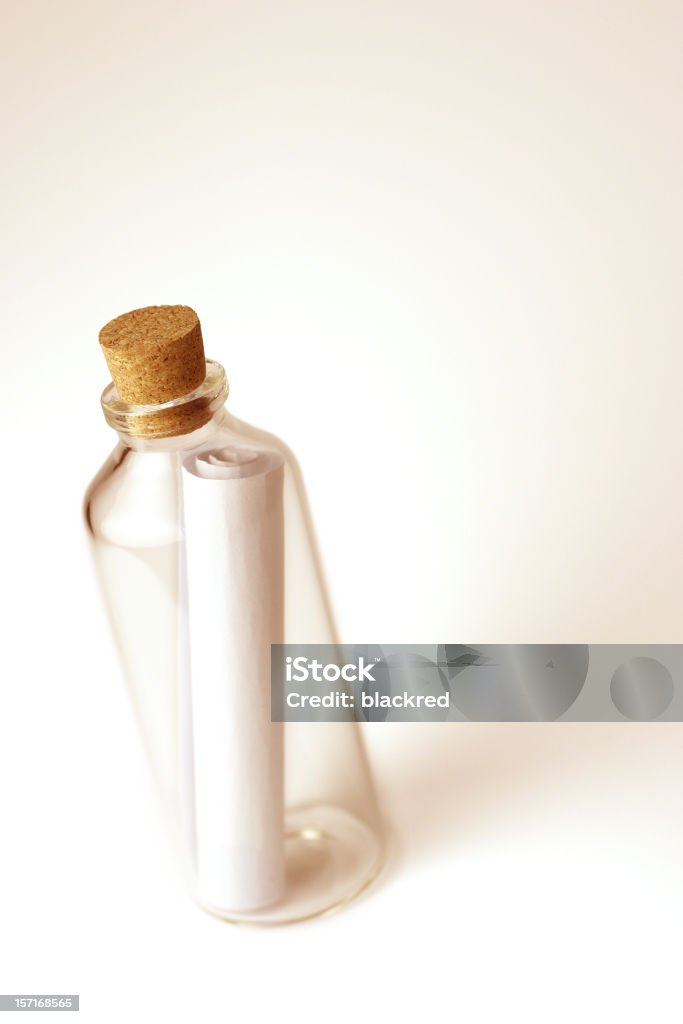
x: 274, y: 822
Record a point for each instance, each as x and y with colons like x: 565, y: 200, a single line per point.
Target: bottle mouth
x: 168, y: 419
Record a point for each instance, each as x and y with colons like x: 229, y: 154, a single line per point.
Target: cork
x: 154, y: 354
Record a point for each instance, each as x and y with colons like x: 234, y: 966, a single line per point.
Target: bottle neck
x: 176, y: 425
x: 176, y: 442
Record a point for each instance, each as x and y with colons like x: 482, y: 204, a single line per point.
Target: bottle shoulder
x: 134, y: 499
x: 233, y: 430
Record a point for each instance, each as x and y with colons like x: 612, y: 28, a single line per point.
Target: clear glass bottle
x: 313, y: 785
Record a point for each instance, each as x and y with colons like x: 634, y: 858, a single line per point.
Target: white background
x: 437, y: 248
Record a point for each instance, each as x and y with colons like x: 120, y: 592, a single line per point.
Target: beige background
x: 437, y: 248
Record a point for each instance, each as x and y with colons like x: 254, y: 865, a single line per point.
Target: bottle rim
x: 166, y: 419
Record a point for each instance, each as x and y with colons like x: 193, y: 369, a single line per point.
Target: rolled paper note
x: 234, y: 574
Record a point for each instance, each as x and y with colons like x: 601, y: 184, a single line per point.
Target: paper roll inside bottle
x: 234, y: 557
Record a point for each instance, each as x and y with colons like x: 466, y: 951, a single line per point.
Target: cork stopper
x: 154, y: 354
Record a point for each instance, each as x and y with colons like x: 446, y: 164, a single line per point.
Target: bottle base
x: 330, y: 858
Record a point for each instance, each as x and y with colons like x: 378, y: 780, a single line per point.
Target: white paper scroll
x: 234, y: 548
